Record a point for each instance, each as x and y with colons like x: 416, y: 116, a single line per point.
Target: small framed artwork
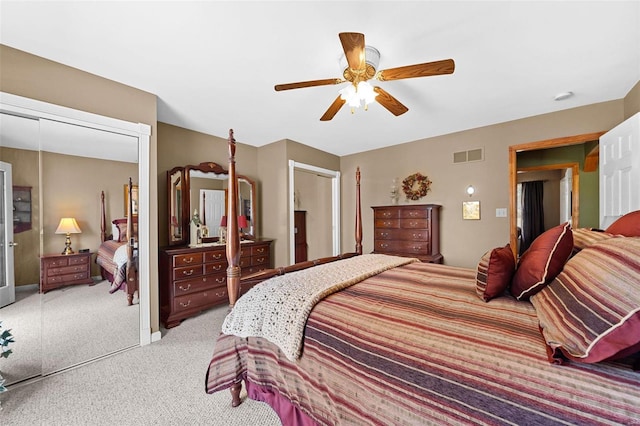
x: 134, y: 199
x: 471, y: 210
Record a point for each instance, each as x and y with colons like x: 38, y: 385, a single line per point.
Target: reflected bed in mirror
x: 202, y: 189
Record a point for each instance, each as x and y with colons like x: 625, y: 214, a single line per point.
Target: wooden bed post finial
x: 358, y: 214
x: 233, y: 235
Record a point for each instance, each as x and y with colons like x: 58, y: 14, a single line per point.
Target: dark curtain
x: 532, y: 213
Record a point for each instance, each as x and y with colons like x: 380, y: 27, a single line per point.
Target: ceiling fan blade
x: 446, y: 66
x: 333, y: 109
x: 311, y: 83
x: 353, y: 46
x: 389, y: 102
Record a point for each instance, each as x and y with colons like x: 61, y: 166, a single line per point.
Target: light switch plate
x: 502, y: 212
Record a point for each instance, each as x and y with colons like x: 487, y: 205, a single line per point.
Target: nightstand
x: 57, y: 270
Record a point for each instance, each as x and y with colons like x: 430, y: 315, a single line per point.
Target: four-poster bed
x: 117, y: 252
x: 415, y: 344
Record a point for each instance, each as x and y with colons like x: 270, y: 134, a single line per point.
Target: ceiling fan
x: 362, y: 62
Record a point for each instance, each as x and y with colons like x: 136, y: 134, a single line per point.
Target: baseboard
x: 155, y: 336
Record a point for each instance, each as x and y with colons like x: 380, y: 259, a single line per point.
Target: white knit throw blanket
x: 277, y: 309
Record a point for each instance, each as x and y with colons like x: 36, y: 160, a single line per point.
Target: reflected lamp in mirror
x: 68, y: 226
x: 242, y: 223
x: 222, y: 230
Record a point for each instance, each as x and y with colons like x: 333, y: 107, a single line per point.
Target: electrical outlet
x: 501, y: 212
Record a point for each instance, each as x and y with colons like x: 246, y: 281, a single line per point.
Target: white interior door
x: 213, y: 206
x: 7, y: 283
x: 620, y: 171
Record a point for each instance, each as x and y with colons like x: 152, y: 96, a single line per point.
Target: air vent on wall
x: 467, y: 156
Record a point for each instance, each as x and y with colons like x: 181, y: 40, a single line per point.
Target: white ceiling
x: 213, y: 64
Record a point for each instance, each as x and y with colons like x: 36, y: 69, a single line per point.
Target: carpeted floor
x: 159, y: 384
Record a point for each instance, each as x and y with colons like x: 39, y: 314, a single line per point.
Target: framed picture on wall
x: 471, y: 210
x: 134, y: 198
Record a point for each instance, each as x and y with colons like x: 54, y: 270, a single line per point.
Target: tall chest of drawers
x: 408, y: 230
x: 193, y: 279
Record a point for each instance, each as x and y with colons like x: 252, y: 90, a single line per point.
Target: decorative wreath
x: 416, y: 186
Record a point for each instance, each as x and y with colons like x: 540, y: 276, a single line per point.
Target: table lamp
x: 242, y: 223
x: 68, y: 225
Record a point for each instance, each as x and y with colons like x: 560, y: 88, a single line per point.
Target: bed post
x: 358, y: 214
x: 233, y: 237
x: 103, y: 220
x: 132, y: 273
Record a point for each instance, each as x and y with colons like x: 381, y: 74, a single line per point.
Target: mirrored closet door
x: 78, y: 317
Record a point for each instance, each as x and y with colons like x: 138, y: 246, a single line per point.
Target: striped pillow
x: 542, y: 261
x: 584, y: 237
x: 591, y: 311
x: 494, y: 272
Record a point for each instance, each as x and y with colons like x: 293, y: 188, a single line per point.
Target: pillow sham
x: 494, y: 272
x: 591, y: 311
x: 584, y: 237
x: 627, y: 225
x: 542, y: 261
x: 119, y: 229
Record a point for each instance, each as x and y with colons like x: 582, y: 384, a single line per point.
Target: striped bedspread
x: 112, y: 256
x: 415, y: 345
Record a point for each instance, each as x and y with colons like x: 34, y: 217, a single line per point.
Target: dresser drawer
x: 198, y: 284
x: 67, y: 270
x: 387, y: 223
x: 407, y: 247
x: 414, y: 223
x: 260, y: 250
x: 187, y: 259
x: 188, y: 271
x: 67, y: 278
x: 259, y: 260
x: 215, y: 267
x: 56, y: 262
x: 214, y: 256
x: 200, y: 299
x: 402, y: 234
x: 386, y: 214
x: 415, y: 213
x: 245, y: 251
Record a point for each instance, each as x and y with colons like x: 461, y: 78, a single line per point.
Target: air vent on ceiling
x: 467, y: 156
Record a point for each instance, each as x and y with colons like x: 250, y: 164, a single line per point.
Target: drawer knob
x: 184, y: 305
x: 217, y: 267
x: 187, y: 259
x: 387, y: 223
x: 224, y: 293
x: 384, y: 234
x: 260, y: 250
x: 413, y: 224
x: 386, y: 214
x: 384, y: 245
x: 217, y: 256
x: 417, y: 235
x: 220, y: 280
x: 185, y: 288
x: 189, y: 272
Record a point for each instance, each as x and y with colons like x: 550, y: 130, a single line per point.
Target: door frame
x: 31, y: 108
x: 8, y: 292
x: 334, y: 175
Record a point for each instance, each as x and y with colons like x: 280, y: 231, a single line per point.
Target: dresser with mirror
x: 193, y: 266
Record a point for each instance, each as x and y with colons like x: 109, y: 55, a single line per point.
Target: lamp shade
x: 223, y: 221
x: 242, y: 222
x: 68, y: 225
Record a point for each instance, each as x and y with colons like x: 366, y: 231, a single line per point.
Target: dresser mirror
x: 203, y: 188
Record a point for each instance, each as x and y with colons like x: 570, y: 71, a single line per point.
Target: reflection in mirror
x: 574, y: 152
x: 19, y: 147
x: 203, y: 191
x: 175, y: 181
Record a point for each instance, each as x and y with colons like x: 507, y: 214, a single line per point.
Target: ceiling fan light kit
x: 360, y: 64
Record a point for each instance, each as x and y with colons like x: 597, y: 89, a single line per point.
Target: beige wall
x: 37, y: 78
x: 462, y: 242
x: 632, y: 101
x: 71, y: 187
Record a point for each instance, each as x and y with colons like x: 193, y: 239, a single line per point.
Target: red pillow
x: 494, y: 272
x: 542, y: 261
x: 627, y: 225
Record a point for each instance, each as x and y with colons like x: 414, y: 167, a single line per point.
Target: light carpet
x: 158, y: 384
